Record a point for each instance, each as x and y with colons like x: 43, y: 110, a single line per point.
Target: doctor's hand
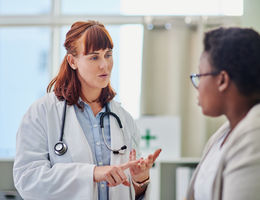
x: 114, y: 175
x: 140, y: 171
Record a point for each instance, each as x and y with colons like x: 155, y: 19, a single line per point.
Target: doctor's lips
x: 103, y: 75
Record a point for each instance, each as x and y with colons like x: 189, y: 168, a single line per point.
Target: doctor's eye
x: 94, y: 58
x: 109, y: 55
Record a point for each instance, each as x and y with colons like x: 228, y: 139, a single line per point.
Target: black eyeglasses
x: 195, y: 78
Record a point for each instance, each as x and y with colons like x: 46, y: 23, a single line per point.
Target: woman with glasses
x: 228, y: 84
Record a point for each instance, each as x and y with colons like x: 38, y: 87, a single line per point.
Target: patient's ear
x: 72, y: 61
x: 223, y: 81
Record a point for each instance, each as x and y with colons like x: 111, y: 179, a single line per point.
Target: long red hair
x: 66, y: 83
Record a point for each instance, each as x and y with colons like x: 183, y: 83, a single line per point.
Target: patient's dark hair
x: 237, y: 51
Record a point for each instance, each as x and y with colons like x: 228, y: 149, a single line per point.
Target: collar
x: 83, y: 103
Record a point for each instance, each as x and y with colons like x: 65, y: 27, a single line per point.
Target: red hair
x: 66, y: 83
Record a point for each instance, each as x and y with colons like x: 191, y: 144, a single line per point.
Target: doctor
x: 67, y: 148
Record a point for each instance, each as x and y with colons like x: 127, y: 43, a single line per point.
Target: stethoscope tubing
x: 63, y: 120
x: 60, y: 148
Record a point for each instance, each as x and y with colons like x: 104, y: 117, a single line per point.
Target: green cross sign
x: 147, y: 137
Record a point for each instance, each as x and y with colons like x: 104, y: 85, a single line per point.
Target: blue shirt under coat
x: 90, y: 125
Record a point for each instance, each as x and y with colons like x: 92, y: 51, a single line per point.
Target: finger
x: 122, y: 174
x: 156, y: 154
x: 135, y: 168
x: 142, y: 165
x: 138, y: 167
x: 116, y: 177
x: 129, y: 164
x: 132, y: 155
x: 149, y: 161
x: 126, y: 183
x: 110, y: 180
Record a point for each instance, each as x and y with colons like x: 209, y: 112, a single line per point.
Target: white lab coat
x: 40, y: 174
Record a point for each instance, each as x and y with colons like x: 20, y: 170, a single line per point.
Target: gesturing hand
x: 114, y: 175
x: 140, y: 171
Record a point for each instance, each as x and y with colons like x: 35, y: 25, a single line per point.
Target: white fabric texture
x: 41, y: 174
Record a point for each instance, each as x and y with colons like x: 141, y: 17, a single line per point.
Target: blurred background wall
x: 157, y: 47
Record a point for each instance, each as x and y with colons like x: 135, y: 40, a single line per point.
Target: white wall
x: 169, y: 57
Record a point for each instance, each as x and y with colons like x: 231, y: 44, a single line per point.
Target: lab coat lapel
x: 117, y: 138
x: 74, y: 136
x: 117, y: 141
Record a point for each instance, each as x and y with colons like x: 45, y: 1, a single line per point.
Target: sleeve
x: 34, y: 177
x: 242, y: 172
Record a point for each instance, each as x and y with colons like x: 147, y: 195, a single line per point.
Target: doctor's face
x: 94, y: 68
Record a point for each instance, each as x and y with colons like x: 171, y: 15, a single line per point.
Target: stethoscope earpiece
x: 60, y: 148
x: 124, y: 147
x: 117, y: 151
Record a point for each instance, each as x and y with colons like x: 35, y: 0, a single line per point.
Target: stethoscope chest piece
x: 60, y: 148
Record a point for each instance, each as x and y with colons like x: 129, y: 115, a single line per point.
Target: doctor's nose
x: 104, y: 64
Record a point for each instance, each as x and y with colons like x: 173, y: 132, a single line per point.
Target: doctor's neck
x: 90, y: 95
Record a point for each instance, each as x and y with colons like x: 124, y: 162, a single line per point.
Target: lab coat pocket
x: 120, y: 192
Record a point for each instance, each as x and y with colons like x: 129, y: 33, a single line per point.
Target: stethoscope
x: 60, y: 148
